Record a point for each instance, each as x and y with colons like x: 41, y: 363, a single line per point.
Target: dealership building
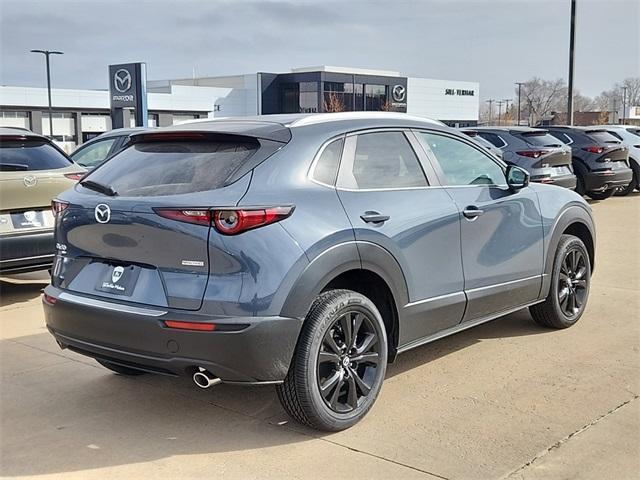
x: 79, y: 115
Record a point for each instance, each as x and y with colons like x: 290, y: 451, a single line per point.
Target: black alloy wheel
x: 347, y: 361
x: 572, y: 287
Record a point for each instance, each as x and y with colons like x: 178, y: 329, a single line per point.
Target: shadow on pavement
x: 22, y: 288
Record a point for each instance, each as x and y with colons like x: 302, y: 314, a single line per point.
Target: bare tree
x: 541, y: 97
x: 333, y: 104
x: 612, y: 99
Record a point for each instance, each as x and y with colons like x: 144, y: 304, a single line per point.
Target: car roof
x: 118, y: 132
x: 278, y: 127
x: 580, y: 128
x: 509, y: 128
x: 23, y: 132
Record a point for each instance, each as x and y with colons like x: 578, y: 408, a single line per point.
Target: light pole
x: 519, y: 90
x: 46, y: 54
x: 572, y: 40
x: 624, y: 103
x: 506, y: 108
x: 499, y: 102
x: 490, y: 102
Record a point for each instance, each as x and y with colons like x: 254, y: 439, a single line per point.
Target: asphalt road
x: 507, y: 399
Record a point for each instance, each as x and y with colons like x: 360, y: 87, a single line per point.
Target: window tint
x: 564, y: 138
x: 541, y: 139
x: 462, y: 164
x: 602, y: 137
x: 383, y: 160
x: 169, y: 168
x: 94, y: 154
x: 327, y: 166
x: 493, y: 138
x: 30, y: 154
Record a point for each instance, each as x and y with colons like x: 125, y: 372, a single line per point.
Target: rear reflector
x: 58, y: 206
x: 74, y: 176
x: 593, y: 149
x: 197, y: 326
x: 49, y: 299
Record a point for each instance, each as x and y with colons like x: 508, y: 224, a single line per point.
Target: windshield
x: 20, y: 154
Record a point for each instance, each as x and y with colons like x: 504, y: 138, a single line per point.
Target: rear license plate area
x: 118, y: 279
x: 28, y: 219
x: 563, y: 170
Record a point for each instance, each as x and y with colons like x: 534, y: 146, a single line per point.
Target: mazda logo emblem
x: 399, y: 93
x: 122, y: 80
x: 102, y: 213
x: 30, y: 181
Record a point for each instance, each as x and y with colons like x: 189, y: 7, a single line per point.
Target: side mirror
x: 517, y: 178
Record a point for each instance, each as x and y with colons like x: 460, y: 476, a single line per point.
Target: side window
x: 382, y: 160
x: 326, y: 168
x: 562, y: 137
x: 94, y: 154
x: 462, y: 164
x: 493, y: 138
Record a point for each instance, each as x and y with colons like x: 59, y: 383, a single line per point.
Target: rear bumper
x: 137, y: 337
x: 607, y: 179
x: 566, y: 181
x: 26, y: 252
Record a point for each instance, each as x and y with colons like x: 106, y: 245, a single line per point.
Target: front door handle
x: 472, y: 212
x: 374, y: 217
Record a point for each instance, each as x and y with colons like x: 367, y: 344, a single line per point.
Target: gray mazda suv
x: 306, y: 252
x: 547, y: 159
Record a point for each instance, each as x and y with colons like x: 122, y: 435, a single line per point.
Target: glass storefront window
x: 300, y: 97
x: 375, y: 97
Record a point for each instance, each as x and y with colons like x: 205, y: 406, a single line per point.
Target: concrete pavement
x: 507, y: 399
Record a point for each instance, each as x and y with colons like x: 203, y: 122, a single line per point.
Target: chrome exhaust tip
x: 205, y: 379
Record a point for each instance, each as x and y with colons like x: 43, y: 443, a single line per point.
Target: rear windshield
x: 29, y: 155
x: 541, y: 139
x: 635, y: 132
x: 602, y: 137
x: 171, y: 168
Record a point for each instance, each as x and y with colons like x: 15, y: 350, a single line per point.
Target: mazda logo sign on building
x: 399, y: 93
x: 102, y: 213
x: 122, y: 80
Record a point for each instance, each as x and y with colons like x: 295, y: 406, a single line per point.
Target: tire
x: 570, y: 262
x: 351, y: 387
x: 601, y: 195
x: 579, y: 171
x: 635, y: 183
x: 120, y: 369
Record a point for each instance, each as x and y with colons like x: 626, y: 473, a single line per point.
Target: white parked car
x: 629, y: 135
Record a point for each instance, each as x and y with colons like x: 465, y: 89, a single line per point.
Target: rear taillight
x: 74, y: 176
x: 230, y: 221
x: 593, y: 149
x: 49, y: 299
x: 531, y: 153
x: 58, y: 206
x: 190, y: 215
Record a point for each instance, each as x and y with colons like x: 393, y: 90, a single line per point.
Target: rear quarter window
x: 30, y: 155
x: 174, y: 167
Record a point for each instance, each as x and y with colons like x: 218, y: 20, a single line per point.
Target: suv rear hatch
x: 611, y: 151
x: 134, y: 230
x: 32, y: 172
x: 546, y: 151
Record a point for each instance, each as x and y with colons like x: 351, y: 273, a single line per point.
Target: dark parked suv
x: 542, y: 155
x: 600, y: 160
x: 306, y: 252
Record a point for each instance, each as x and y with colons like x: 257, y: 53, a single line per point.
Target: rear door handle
x: 472, y: 212
x: 374, y: 217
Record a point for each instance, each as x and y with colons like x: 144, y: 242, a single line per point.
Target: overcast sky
x: 493, y: 42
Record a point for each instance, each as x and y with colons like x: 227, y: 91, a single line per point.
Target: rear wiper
x: 98, y: 187
x: 13, y: 167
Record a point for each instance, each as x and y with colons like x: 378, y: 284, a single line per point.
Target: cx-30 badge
x: 102, y: 213
x: 399, y: 93
x: 30, y: 181
x: 122, y: 80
